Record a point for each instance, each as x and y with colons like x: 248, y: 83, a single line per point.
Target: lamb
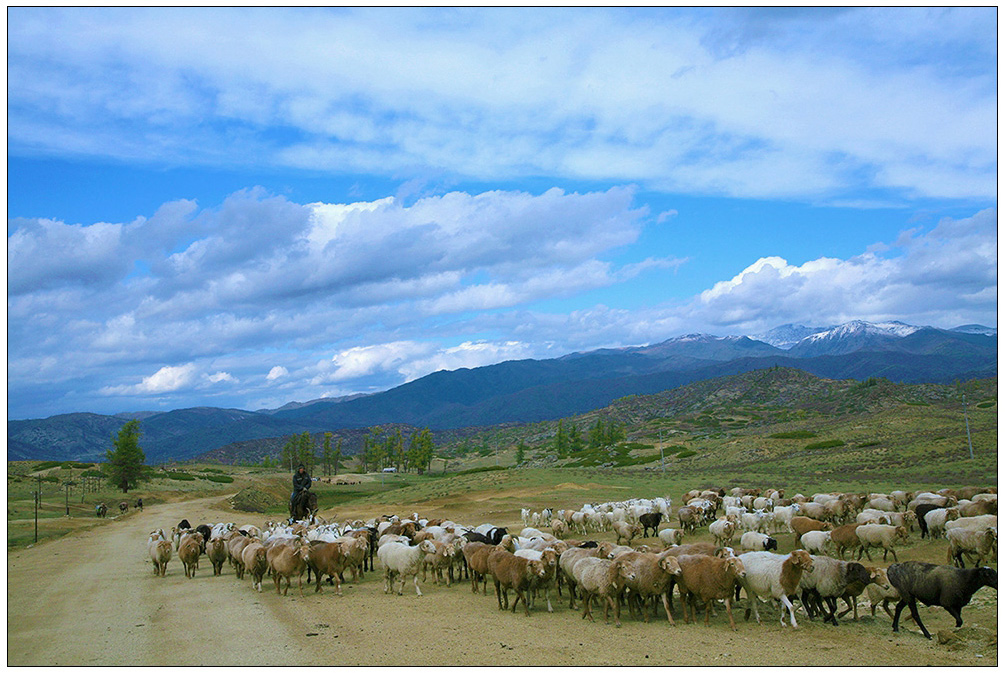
x: 603, y: 578
x: 754, y: 541
x: 654, y: 575
x: 216, y: 550
x: 549, y: 559
x: 935, y: 520
x: 879, y: 535
x: 816, y: 541
x: 189, y: 551
x: 254, y: 561
x: 931, y: 584
x: 442, y: 558
x: 401, y: 560
x: 774, y: 576
x: 287, y: 560
x: 979, y: 543
x: 514, y: 572
x: 160, y: 553
x: 671, y: 536
x: 708, y: 578
x: 559, y: 528
x: 722, y: 531
x: 626, y: 531
x: 881, y: 592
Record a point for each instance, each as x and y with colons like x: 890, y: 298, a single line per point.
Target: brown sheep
x: 476, y: 554
x: 254, y: 561
x: 654, y: 575
x: 979, y: 507
x: 844, y: 538
x: 804, y: 524
x: 326, y: 558
x: 705, y: 579
x: 513, y: 572
x: 287, y: 560
x: 189, y: 551
x: 216, y: 550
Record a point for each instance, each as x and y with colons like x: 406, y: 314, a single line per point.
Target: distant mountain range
x: 523, y: 391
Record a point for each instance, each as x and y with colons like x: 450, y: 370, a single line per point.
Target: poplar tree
x: 125, y: 463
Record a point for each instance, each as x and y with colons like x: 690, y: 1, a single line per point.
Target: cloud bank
x: 261, y: 300
x: 810, y: 104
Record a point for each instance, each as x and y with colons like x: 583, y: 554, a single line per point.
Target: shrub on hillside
x: 830, y: 443
x: 687, y: 454
x: 180, y: 476
x: 220, y: 478
x: 795, y: 434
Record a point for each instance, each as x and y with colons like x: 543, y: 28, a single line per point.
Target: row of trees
x: 569, y: 442
x: 380, y: 449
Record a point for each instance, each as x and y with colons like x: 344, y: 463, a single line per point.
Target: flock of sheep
x: 534, y: 563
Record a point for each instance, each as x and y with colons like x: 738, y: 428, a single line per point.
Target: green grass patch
x: 687, y: 453
x: 794, y: 434
x: 180, y: 476
x: 868, y: 444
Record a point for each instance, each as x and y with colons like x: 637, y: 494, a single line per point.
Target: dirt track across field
x: 92, y: 599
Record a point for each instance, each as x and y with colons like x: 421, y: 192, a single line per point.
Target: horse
x: 304, y: 506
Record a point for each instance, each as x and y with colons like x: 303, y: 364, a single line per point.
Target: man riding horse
x: 303, y: 503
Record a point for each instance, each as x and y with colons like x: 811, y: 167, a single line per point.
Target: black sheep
x: 496, y: 535
x: 650, y: 520
x: 207, y: 533
x: 941, y: 585
x: 472, y: 536
x: 921, y: 511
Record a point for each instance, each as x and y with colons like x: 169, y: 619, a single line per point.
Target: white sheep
x: 401, y: 560
x: 773, y: 576
x: 754, y: 541
x: 722, y: 531
x: 973, y: 543
x: 879, y: 535
x: 936, y: 519
x: 982, y: 522
x: 816, y: 541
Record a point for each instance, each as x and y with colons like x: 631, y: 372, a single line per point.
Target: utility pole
x: 663, y: 463
x: 967, y: 421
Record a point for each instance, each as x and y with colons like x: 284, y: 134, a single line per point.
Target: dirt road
x: 92, y: 599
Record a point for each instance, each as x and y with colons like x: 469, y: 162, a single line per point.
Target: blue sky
x: 244, y: 207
